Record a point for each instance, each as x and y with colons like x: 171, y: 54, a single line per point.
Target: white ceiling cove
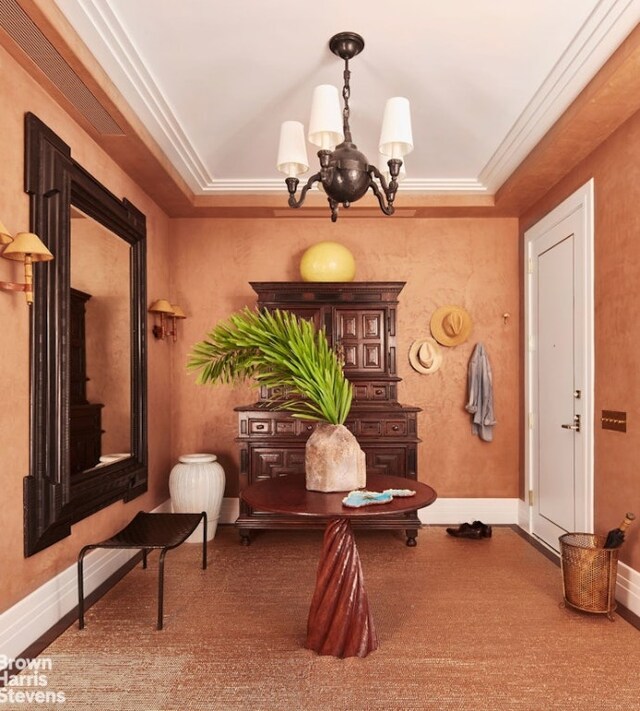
x: 212, y: 80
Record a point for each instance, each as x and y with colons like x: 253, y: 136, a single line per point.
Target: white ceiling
x: 213, y: 79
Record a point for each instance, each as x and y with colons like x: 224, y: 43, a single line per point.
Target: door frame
x: 582, y: 199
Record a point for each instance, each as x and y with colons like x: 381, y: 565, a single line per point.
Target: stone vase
x: 334, y: 460
x: 196, y: 484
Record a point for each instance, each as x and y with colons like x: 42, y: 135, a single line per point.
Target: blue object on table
x: 361, y: 497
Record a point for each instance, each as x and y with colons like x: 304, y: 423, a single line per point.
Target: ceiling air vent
x: 30, y: 39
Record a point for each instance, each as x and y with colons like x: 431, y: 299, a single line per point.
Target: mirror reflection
x: 100, y: 341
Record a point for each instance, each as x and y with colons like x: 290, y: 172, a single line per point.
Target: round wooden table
x: 340, y: 623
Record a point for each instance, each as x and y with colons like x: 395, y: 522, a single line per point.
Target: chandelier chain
x: 346, y: 95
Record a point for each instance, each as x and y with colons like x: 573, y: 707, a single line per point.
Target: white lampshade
x: 384, y: 169
x: 292, y: 151
x: 325, y: 124
x: 396, y: 139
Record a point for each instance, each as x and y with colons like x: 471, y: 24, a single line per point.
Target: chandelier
x: 345, y: 173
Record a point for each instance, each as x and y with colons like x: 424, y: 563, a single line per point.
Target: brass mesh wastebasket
x: 589, y: 573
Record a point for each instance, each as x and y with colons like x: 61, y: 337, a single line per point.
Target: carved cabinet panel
x: 85, y: 418
x: 359, y: 318
x: 361, y: 335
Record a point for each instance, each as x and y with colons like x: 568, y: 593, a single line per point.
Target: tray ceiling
x: 212, y: 81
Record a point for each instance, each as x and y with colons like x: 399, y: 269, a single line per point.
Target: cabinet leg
x: 412, y: 534
x: 245, y: 538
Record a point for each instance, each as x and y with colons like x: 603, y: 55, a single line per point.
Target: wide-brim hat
x: 425, y: 355
x: 451, y: 325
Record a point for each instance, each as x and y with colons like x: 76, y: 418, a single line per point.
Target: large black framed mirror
x: 88, y: 402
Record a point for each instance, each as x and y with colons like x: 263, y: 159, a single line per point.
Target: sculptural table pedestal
x: 339, y: 623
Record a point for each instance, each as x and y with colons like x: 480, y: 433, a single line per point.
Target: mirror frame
x: 52, y: 500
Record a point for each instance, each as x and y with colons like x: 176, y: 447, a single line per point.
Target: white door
x: 559, y: 358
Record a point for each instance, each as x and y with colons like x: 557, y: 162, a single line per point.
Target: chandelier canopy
x: 345, y: 172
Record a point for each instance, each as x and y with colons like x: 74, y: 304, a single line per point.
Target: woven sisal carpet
x: 464, y: 625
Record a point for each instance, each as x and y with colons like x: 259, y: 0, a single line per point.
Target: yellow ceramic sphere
x: 327, y: 261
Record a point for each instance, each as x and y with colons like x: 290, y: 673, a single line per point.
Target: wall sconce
x: 166, y: 311
x: 178, y: 314
x: 28, y: 248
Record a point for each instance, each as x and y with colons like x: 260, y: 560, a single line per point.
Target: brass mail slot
x: 614, y: 420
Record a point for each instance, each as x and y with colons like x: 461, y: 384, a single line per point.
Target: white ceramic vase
x: 196, y: 484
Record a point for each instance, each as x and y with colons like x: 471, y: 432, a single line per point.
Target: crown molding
x: 118, y: 44
x: 603, y: 31
x: 598, y: 37
x: 276, y: 185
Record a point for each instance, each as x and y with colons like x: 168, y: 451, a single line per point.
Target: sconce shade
x: 396, y: 139
x: 177, y: 311
x: 325, y: 124
x: 26, y: 244
x: 161, y: 306
x: 5, y: 236
x: 292, y: 150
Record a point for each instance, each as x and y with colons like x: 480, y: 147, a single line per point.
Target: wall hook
x: 506, y: 317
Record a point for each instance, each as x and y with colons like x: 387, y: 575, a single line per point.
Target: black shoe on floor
x: 465, y: 530
x: 485, y: 530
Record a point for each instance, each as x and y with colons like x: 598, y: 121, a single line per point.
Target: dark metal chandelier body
x: 345, y: 172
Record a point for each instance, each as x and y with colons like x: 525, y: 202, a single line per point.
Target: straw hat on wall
x: 451, y: 325
x: 425, y: 355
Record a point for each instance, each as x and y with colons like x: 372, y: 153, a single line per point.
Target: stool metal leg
x: 204, y: 540
x: 161, y: 587
x: 85, y: 550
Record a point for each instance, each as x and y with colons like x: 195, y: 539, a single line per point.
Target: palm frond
x: 277, y: 349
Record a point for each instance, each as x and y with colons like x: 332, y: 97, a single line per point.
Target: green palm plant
x: 279, y: 350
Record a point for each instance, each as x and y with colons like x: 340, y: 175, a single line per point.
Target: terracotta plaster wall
x: 21, y: 94
x: 472, y: 262
x: 615, y: 168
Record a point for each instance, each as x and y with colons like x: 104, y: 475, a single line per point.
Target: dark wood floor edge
x: 546, y: 552
x: 623, y: 611
x: 37, y: 647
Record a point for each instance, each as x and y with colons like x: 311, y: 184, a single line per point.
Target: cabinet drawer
x: 260, y: 425
x: 371, y: 428
x: 373, y: 391
x: 285, y: 427
x: 274, y: 425
x: 395, y: 428
x: 381, y: 427
x: 304, y: 428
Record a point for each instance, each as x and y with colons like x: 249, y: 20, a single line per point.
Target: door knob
x: 575, y: 426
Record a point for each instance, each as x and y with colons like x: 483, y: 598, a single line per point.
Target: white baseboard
x: 25, y: 622
x: 524, y: 515
x: 29, y: 619
x: 628, y: 588
x: 230, y: 509
x: 455, y: 511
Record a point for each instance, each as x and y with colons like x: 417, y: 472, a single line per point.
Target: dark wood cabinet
x: 359, y: 318
x: 85, y: 418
